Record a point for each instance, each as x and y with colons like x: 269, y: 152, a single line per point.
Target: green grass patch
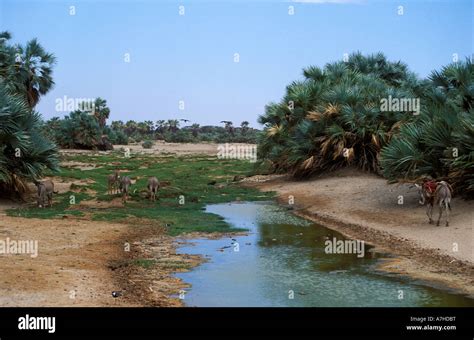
x: 144, y: 263
x: 65, y: 207
x: 180, y: 205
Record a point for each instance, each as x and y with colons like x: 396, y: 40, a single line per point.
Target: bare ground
x: 364, y: 206
x: 80, y: 263
x: 71, y: 266
x: 158, y: 148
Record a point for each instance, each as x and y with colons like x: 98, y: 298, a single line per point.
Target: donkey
x: 124, y: 187
x: 45, y: 192
x: 113, y: 181
x: 153, y: 186
x: 435, y: 193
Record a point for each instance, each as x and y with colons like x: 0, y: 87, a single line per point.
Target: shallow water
x: 282, y: 262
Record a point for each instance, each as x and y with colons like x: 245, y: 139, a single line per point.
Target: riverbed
x: 283, y: 262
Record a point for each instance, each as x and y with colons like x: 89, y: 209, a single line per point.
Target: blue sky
x: 191, y: 57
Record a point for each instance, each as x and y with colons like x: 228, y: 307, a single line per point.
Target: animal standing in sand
x: 113, y: 183
x: 124, y: 187
x: 45, y: 192
x: 153, y: 186
x: 435, y: 193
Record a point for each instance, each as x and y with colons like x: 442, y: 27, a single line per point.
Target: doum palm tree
x: 101, y: 111
x: 195, y: 130
x: 244, y: 127
x: 173, y: 125
x: 27, y: 69
x: 25, y: 152
x: 229, y: 126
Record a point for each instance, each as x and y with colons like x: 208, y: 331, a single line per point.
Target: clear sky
x: 190, y: 57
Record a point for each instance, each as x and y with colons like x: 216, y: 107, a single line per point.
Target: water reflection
x: 282, y: 262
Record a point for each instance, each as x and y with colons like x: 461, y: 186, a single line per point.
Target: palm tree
x: 150, y: 126
x: 229, y: 126
x: 25, y: 153
x: 101, y: 111
x: 29, y: 70
x: 333, y: 117
x: 130, y: 127
x: 6, y: 53
x: 440, y: 142
x: 53, y: 123
x: 244, y: 127
x: 142, y: 128
x: 80, y: 130
x: 117, y: 125
x: 159, y: 125
x: 195, y: 130
x: 173, y: 125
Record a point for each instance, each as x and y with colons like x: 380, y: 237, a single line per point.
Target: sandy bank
x: 365, y: 207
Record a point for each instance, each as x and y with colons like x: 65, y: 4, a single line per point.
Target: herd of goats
x: 431, y: 193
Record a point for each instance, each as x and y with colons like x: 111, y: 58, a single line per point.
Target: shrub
x: 147, y: 144
x: 79, y: 130
x: 333, y: 118
x: 440, y: 141
x: 118, y: 137
x: 25, y: 153
x: 179, y: 137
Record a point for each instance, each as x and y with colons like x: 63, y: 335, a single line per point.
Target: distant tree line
x: 88, y: 130
x: 171, y: 130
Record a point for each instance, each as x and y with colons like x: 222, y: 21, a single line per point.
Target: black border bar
x: 142, y: 323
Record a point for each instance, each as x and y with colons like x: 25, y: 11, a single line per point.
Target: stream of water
x: 282, y: 262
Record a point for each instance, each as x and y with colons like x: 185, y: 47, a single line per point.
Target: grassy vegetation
x: 191, y: 182
x: 61, y: 207
x: 145, y: 263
